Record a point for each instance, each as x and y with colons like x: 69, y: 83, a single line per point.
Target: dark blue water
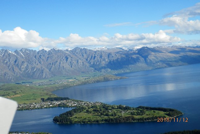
x: 176, y: 87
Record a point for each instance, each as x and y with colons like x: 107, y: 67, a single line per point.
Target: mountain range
x: 26, y: 64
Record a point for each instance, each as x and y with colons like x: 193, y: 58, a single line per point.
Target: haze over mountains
x: 31, y: 64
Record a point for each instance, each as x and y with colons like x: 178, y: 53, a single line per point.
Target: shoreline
x: 92, y: 111
x: 47, y: 90
x: 33, y: 94
x: 74, y: 104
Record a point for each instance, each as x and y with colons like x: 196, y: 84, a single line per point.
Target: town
x: 56, y: 103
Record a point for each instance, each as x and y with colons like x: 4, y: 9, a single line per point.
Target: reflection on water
x: 136, y: 85
x: 177, y: 87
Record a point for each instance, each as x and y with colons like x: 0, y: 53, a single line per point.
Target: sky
x: 66, y: 24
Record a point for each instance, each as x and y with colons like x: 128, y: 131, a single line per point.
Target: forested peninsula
x: 97, y: 112
x: 104, y: 113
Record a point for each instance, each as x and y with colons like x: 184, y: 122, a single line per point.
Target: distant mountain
x: 30, y: 64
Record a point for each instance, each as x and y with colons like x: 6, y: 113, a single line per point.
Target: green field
x: 33, y: 91
x: 24, y: 94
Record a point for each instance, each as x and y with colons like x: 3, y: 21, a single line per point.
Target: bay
x: 175, y: 87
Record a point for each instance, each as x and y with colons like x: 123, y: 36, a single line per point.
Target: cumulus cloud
x: 182, y: 24
x: 20, y: 38
x: 129, y: 40
x: 181, y: 20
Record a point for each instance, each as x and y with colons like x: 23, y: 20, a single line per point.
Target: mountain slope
x: 30, y: 64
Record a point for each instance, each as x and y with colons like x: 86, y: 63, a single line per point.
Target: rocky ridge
x: 31, y: 64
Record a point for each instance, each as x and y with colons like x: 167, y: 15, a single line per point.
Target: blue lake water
x: 175, y: 87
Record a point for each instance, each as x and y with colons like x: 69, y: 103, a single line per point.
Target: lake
x: 175, y: 87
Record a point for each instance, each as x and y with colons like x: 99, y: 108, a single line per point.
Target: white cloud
x: 188, y: 12
x: 129, y: 40
x: 182, y: 20
x: 191, y: 43
x: 182, y: 24
x: 20, y: 38
x: 118, y: 24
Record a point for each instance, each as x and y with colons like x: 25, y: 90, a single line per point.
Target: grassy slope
x: 24, y: 94
x: 29, y: 94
